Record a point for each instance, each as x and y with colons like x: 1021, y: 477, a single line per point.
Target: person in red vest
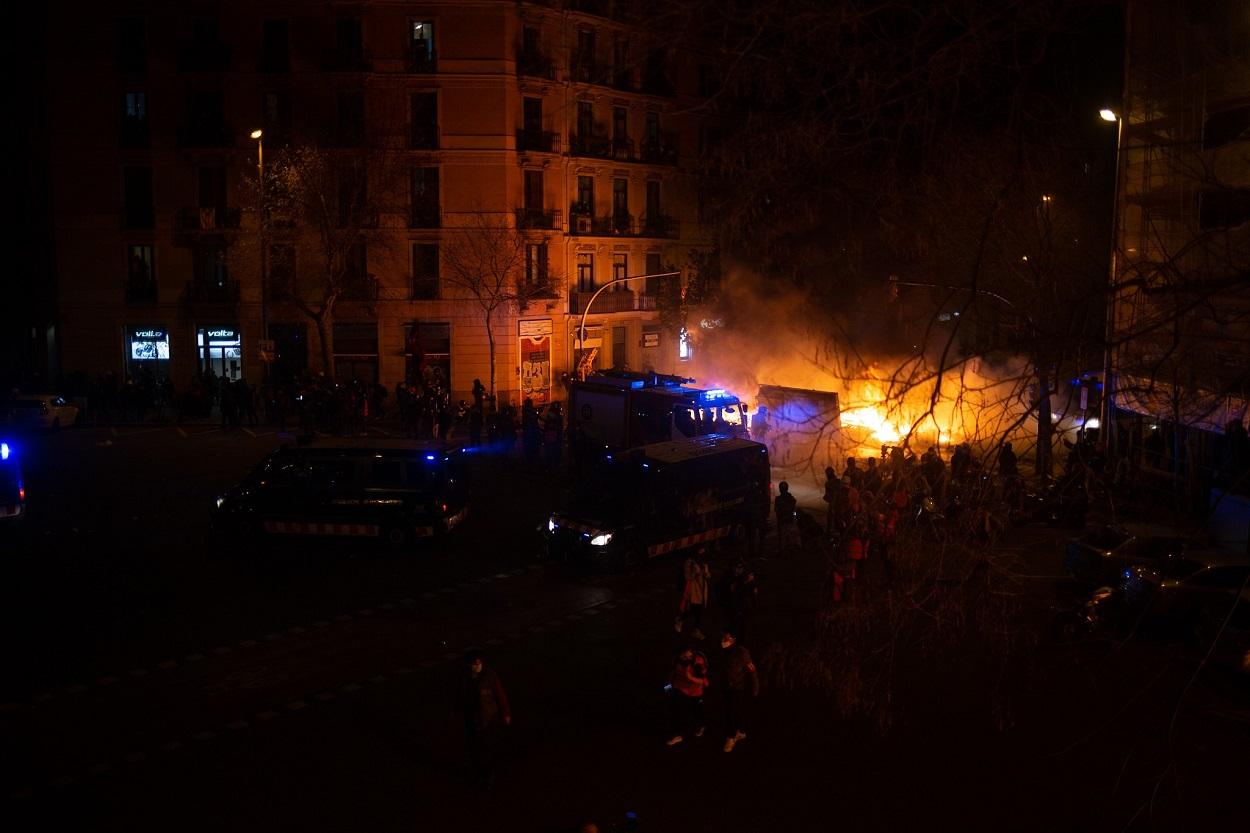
x: 686, y: 686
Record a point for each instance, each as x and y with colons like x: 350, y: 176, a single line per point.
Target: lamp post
x: 1106, y: 423
x: 581, y: 330
x: 259, y: 136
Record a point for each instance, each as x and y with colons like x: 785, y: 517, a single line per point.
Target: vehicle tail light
x: 21, y: 493
x: 444, y: 507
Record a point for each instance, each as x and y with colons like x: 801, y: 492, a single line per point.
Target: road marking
x: 249, y: 432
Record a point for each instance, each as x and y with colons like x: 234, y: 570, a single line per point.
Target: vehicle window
x: 1221, y: 578
x: 385, y: 474
x: 330, y: 473
x: 420, y: 476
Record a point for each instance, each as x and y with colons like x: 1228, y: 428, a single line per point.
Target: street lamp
x: 259, y: 136
x: 581, y: 331
x: 1107, y: 420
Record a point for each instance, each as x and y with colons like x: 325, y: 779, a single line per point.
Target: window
x: 427, y: 352
x: 586, y: 194
x: 275, y: 46
x: 134, y: 120
x: 654, y: 267
x: 585, y: 272
x: 356, y: 261
x: 132, y: 45
x: 651, y: 132
x: 349, y: 39
x: 140, y: 274
x: 653, y: 201
x: 620, y: 198
x: 275, y: 118
x: 137, y: 195
x: 425, y: 274
x: 620, y: 269
x: 212, y: 190
x: 350, y: 106
x: 620, y: 124
x: 684, y: 350
x: 533, y: 193
x: 421, y: 45
x: 424, y: 198
x: 533, y: 114
x: 281, y: 269
x: 212, y: 274
x: 584, y: 56
x: 585, y: 119
x: 424, y: 135
x: 206, y: 119
x: 535, y: 265
x: 621, y: 74
x: 386, y: 474
x: 620, y: 350
x: 356, y: 338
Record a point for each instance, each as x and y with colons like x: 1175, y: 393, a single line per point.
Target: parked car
x: 1197, y: 590
x: 45, y: 411
x: 1101, y: 555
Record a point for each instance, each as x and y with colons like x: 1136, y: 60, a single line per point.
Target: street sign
x: 650, y: 339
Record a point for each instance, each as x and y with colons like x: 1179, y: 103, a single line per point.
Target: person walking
x: 742, y: 686
x: 687, y: 683
x: 737, y: 596
x: 694, y: 597
x: 483, y: 703
x: 833, y: 489
x: 787, y: 519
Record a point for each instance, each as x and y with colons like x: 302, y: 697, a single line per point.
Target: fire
x: 874, y: 420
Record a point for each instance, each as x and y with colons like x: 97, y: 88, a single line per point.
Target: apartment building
x: 1180, y: 319
x: 570, y: 124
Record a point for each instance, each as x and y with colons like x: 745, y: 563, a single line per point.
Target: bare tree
x: 487, y: 261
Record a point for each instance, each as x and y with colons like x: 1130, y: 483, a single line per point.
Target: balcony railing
x: 539, y: 218
x: 590, y: 144
x: 196, y: 218
x: 347, y: 60
x: 535, y: 64
x: 203, y: 56
x: 422, y: 60
x: 211, y: 291
x: 206, y: 134
x: 141, y: 292
x: 424, y: 218
x: 582, y: 69
x: 613, y: 225
x: 658, y: 225
x: 620, y: 300
x: 361, y: 288
x: 537, y: 141
x: 660, y: 151
x: 623, y: 149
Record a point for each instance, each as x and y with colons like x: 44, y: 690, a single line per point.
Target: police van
x: 392, y: 491
x: 663, y: 498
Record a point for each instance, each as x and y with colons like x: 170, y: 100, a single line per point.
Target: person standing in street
x: 787, y: 519
x: 742, y: 686
x: 484, y: 705
x: 694, y: 597
x: 686, y: 687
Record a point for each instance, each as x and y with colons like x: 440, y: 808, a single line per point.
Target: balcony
x: 539, y: 218
x: 582, y: 222
x: 623, y: 149
x: 203, y: 56
x: 535, y: 64
x: 422, y: 60
x: 361, y: 288
x: 658, y: 225
x: 423, y: 217
x: 537, y: 141
x: 581, y: 69
x: 661, y: 150
x: 194, y: 219
x: 613, y: 300
x: 206, y: 134
x: 141, y: 292
x: 211, y: 292
x: 590, y: 144
x: 356, y: 59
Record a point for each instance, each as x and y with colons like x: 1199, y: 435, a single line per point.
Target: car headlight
x: 220, y: 501
x: 551, y: 524
x: 601, y: 540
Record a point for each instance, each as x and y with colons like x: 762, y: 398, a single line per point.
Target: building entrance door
x: 221, y: 351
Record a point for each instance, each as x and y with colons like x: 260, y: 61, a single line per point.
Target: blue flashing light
x: 714, y: 393
x: 430, y: 457
x: 4, y: 451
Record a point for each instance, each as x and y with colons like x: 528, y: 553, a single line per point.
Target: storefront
x: 147, y: 352
x: 220, y: 351
x: 535, y: 337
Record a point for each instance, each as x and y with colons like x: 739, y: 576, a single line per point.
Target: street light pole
x: 259, y: 136
x: 581, y: 330
x: 1106, y: 426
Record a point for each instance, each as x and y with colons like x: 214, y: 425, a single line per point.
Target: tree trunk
x: 490, y: 339
x: 324, y: 335
x: 1045, y: 428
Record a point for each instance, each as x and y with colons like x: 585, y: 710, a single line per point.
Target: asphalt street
x: 163, y: 679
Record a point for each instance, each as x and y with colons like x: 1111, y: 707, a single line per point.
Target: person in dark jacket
x: 484, y: 705
x: 787, y: 523
x: 741, y: 687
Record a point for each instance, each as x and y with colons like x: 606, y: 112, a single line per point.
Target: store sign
x: 157, y: 334
x: 223, y: 334
x: 650, y: 339
x: 534, y: 328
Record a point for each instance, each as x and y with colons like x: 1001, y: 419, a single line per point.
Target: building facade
x: 571, y: 125
x: 1179, y: 324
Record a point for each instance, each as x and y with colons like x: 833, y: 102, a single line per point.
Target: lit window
x: 684, y: 349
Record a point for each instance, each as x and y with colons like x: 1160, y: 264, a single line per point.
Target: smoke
x: 761, y: 332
